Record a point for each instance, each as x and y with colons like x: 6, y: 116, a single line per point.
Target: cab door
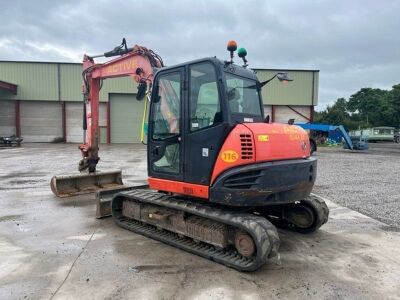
x: 207, y: 125
x: 165, y: 145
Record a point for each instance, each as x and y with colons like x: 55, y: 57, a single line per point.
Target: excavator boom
x: 137, y: 62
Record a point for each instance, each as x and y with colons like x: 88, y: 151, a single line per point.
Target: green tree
x: 394, y: 100
x: 366, y: 108
x: 337, y: 114
x: 372, y: 105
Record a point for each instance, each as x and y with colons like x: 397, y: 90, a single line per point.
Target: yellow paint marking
x: 263, y: 137
x: 229, y: 156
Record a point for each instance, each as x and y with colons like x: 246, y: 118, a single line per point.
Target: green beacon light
x: 242, y: 54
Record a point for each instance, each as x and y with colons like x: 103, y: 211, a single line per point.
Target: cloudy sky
x: 354, y: 44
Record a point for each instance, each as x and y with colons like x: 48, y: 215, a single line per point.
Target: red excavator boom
x: 137, y: 62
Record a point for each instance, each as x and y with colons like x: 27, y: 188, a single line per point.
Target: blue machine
x: 335, y: 132
x: 359, y: 142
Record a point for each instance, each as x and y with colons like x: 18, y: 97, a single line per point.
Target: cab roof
x: 223, y: 66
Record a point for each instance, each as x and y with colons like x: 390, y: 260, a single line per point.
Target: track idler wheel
x: 308, y: 215
x: 244, y: 244
x: 300, y: 215
x: 305, y: 216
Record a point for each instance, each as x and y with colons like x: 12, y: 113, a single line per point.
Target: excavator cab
x: 208, y: 139
x: 193, y: 108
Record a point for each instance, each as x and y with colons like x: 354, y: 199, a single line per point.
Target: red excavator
x: 220, y: 175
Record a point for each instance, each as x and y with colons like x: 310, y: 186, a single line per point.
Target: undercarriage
x: 240, y: 240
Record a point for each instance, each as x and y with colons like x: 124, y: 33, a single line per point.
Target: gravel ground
x: 366, y: 181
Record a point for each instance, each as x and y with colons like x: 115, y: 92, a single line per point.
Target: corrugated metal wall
x: 303, y: 90
x: 36, y: 81
x: 39, y: 81
x: 56, y: 82
x: 46, y: 85
x: 71, y: 84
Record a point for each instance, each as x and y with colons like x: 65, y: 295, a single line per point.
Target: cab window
x: 166, y: 110
x: 205, y: 108
x: 242, y: 95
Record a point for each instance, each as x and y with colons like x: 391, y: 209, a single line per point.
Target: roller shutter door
x: 74, y: 115
x: 283, y: 113
x: 7, y: 118
x: 41, y: 121
x: 126, y: 118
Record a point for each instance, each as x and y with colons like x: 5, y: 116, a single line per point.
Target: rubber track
x: 262, y: 231
x: 319, y: 206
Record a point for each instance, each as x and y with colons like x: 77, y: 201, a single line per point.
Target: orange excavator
x: 221, y: 177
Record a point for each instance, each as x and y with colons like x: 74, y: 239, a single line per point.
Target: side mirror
x: 141, y: 92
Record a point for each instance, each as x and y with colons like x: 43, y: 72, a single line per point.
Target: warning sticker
x: 263, y: 137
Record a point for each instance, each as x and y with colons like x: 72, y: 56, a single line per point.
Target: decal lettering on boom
x: 120, y: 67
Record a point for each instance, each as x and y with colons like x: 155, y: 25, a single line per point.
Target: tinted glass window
x: 242, y: 95
x: 166, y: 110
x: 166, y: 117
x: 205, y: 109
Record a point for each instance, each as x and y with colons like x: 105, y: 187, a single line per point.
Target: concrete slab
x: 55, y: 248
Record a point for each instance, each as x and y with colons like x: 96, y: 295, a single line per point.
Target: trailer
x: 376, y: 134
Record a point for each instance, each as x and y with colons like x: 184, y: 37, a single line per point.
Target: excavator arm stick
x: 137, y: 62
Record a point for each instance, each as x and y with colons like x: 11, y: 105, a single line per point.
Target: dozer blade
x: 104, y: 199
x: 73, y: 185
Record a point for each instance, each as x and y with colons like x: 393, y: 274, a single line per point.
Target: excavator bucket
x: 104, y: 199
x: 73, y: 185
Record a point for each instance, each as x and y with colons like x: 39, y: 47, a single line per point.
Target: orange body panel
x: 246, y: 144
x: 260, y: 142
x: 233, y: 147
x: 178, y: 187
